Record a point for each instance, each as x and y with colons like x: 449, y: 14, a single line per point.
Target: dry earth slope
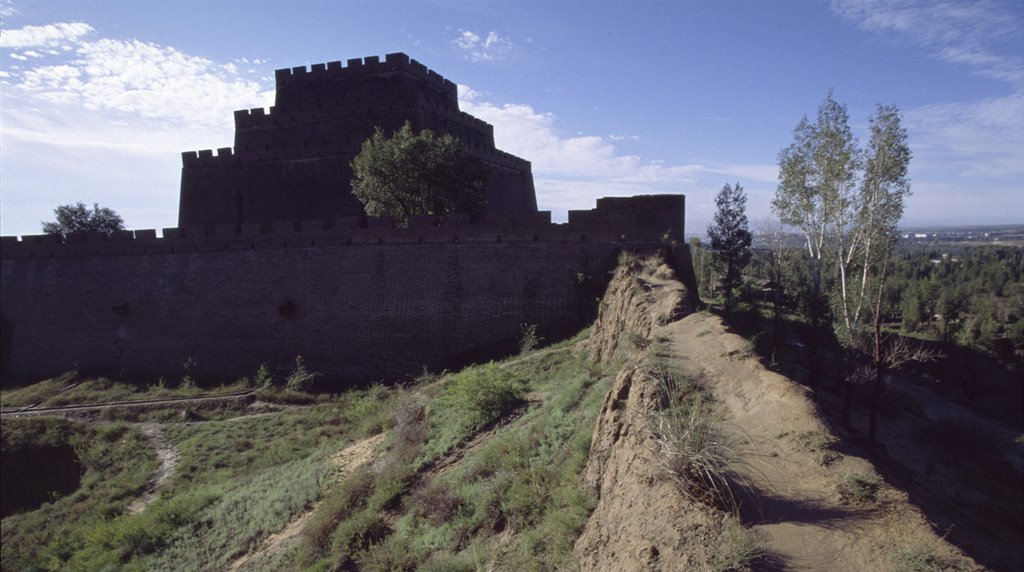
x: 790, y: 495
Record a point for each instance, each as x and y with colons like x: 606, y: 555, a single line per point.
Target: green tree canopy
x: 730, y: 238
x: 416, y: 174
x: 78, y: 218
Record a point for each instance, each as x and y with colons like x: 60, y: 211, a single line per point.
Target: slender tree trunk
x: 814, y: 347
x: 848, y: 360
x: 876, y: 390
x: 878, y: 387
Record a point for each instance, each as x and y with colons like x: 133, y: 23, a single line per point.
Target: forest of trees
x: 970, y: 296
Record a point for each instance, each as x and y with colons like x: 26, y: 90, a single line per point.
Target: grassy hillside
x: 468, y: 458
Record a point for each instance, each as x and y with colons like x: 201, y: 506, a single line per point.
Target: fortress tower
x: 291, y: 163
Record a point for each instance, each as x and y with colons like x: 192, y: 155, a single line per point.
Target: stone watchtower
x: 292, y: 163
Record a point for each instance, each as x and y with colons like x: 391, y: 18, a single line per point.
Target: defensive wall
x: 292, y: 162
x: 358, y: 298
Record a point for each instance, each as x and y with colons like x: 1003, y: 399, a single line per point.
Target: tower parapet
x: 292, y: 161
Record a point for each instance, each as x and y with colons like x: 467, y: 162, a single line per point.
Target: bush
x: 920, y: 559
x: 300, y: 379
x: 529, y: 340
x: 860, y: 488
x: 691, y: 446
x: 481, y: 395
x: 263, y: 378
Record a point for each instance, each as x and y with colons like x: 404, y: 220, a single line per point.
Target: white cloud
x: 482, y: 48
x: 968, y: 139
x: 144, y: 80
x: 44, y: 36
x: 571, y: 172
x: 105, y: 120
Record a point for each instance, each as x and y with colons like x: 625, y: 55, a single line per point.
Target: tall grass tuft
x: 690, y: 445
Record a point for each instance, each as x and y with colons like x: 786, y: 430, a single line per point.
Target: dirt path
x: 167, y: 459
x: 347, y: 460
x: 792, y: 495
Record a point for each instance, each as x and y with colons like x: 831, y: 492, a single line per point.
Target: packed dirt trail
x: 347, y: 460
x: 793, y: 495
x: 786, y: 478
x: 167, y: 460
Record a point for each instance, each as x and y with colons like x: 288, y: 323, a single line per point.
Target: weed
x: 188, y: 368
x: 301, y: 379
x: 436, y: 503
x: 263, y: 379
x: 859, y: 488
x: 529, y: 340
x: 690, y: 445
x: 638, y: 341
x: 918, y: 558
x: 820, y: 445
x: 742, y: 547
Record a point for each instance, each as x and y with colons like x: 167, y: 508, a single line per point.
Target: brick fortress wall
x: 291, y: 163
x: 359, y: 299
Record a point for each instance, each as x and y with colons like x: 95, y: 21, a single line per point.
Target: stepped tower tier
x: 292, y: 162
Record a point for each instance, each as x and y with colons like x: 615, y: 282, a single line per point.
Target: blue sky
x: 605, y: 98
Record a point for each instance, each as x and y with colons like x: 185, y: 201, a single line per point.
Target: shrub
x: 918, y: 558
x: 358, y: 533
x: 691, y: 447
x: 820, y: 445
x: 742, y: 547
x: 300, y: 379
x: 529, y: 340
x: 481, y: 395
x: 263, y: 379
x: 859, y: 488
x: 436, y: 503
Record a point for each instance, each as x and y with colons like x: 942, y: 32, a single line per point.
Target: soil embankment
x: 796, y: 491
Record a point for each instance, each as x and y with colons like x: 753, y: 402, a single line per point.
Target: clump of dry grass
x: 690, y: 445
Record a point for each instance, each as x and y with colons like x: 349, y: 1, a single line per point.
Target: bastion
x: 273, y: 257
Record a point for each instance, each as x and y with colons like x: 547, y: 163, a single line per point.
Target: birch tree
x: 817, y: 195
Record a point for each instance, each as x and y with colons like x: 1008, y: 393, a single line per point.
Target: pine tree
x: 730, y: 239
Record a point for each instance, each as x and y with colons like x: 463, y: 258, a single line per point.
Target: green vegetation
x: 78, y: 218
x: 922, y: 559
x: 818, y: 444
x: 859, y: 488
x: 416, y: 174
x: 730, y: 239
x: 241, y: 477
x: 524, y: 480
x: 116, y: 463
x: 72, y: 389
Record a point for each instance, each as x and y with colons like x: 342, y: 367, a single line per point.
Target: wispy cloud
x: 50, y: 35
x: 479, y: 48
x: 101, y: 119
x: 982, y: 138
x: 571, y: 171
x: 127, y: 79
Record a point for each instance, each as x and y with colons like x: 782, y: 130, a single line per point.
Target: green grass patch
x: 116, y: 462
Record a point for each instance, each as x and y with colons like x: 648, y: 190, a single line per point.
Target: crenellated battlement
x: 395, y: 62
x: 630, y: 220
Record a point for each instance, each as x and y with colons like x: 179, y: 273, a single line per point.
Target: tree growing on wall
x: 730, y: 239
x: 78, y: 218
x: 416, y: 174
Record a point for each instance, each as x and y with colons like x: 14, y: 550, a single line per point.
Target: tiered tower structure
x: 292, y: 163
x: 274, y: 258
